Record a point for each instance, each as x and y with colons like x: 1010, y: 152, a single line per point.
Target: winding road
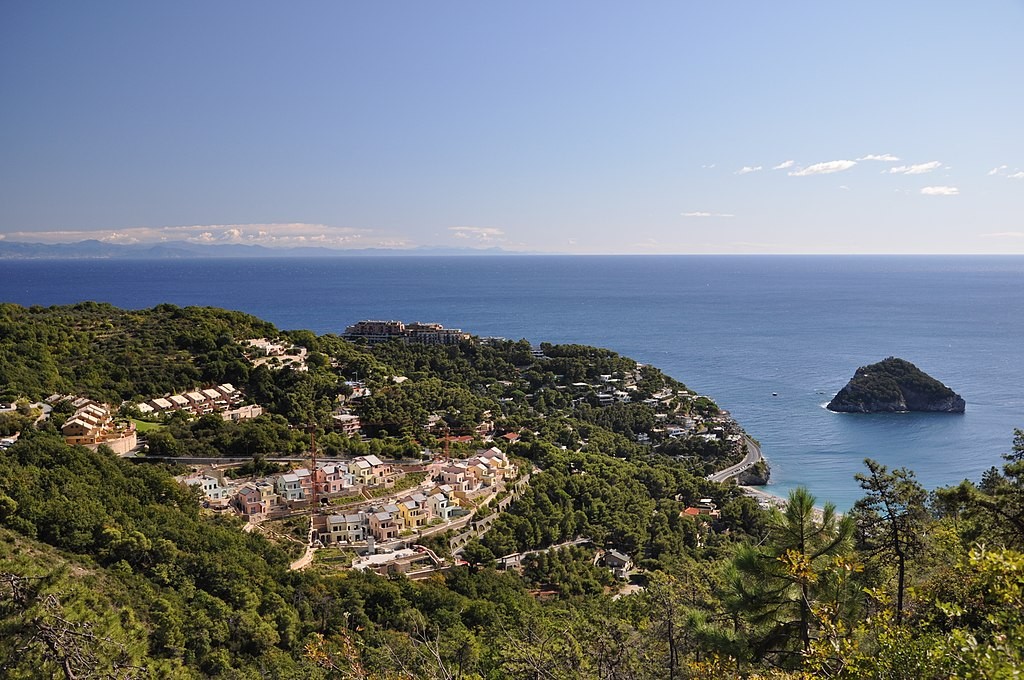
x: 759, y: 494
x: 753, y: 456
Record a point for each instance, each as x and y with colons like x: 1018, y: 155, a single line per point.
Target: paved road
x: 753, y: 455
x: 44, y: 410
x: 768, y: 498
x: 239, y: 460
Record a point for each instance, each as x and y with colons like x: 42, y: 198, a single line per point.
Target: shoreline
x: 759, y: 494
x: 764, y: 498
x: 770, y: 499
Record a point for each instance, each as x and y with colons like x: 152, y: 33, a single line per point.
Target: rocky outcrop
x: 894, y: 385
x: 755, y: 475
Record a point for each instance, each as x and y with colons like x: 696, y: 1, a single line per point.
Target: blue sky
x: 578, y: 127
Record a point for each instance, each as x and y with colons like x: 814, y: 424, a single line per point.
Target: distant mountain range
x: 93, y: 249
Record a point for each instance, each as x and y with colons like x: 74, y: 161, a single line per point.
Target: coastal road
x: 766, y: 498
x: 753, y: 455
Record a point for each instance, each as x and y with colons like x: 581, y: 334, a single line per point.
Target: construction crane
x: 311, y: 429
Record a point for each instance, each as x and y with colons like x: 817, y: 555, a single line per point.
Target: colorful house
x: 383, y: 526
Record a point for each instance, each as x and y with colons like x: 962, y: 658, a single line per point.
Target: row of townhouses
x: 483, y: 470
x: 264, y: 496
x: 332, y: 479
x: 218, y: 399
x: 388, y: 522
x: 92, y: 425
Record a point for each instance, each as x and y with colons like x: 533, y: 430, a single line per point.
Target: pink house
x: 455, y: 477
x: 255, y: 498
x: 383, y: 526
x: 249, y: 501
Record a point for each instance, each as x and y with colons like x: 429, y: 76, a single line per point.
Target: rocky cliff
x: 895, y: 385
x: 756, y: 475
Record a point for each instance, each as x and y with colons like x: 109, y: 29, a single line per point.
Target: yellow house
x: 413, y: 515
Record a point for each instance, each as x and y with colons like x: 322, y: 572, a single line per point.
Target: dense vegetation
x: 113, y: 354
x: 112, y: 569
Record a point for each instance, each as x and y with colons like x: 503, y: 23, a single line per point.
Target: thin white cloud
x: 888, y: 157
x: 478, y: 233
x: 759, y: 245
x: 706, y: 214
x: 826, y: 168
x: 398, y: 243
x: 269, y: 235
x: 784, y: 165
x: 747, y: 169
x: 940, y: 191
x: 1004, y: 171
x: 1005, y: 234
x: 652, y: 245
x: 919, y: 169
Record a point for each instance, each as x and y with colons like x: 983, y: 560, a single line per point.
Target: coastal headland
x: 308, y: 496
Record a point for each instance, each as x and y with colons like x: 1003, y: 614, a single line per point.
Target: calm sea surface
x: 735, y: 328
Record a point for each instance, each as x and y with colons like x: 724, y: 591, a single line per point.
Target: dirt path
x: 307, y: 557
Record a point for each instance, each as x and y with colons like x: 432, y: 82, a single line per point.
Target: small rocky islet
x: 892, y: 386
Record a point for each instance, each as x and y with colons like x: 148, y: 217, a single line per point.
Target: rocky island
x: 895, y: 385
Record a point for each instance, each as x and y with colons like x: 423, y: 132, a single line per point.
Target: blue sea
x: 737, y: 328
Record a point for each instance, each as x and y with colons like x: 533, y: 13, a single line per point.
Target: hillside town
x: 375, y: 508
x: 504, y: 482
x: 351, y: 503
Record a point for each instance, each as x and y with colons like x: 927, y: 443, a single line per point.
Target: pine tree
x: 779, y: 587
x: 891, y: 519
x: 998, y: 504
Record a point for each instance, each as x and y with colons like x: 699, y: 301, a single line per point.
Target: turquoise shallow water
x: 736, y: 328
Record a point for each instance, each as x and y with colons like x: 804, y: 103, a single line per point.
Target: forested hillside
x: 114, y: 354
x: 111, y: 568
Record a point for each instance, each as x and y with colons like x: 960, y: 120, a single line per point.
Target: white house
x: 289, y: 488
